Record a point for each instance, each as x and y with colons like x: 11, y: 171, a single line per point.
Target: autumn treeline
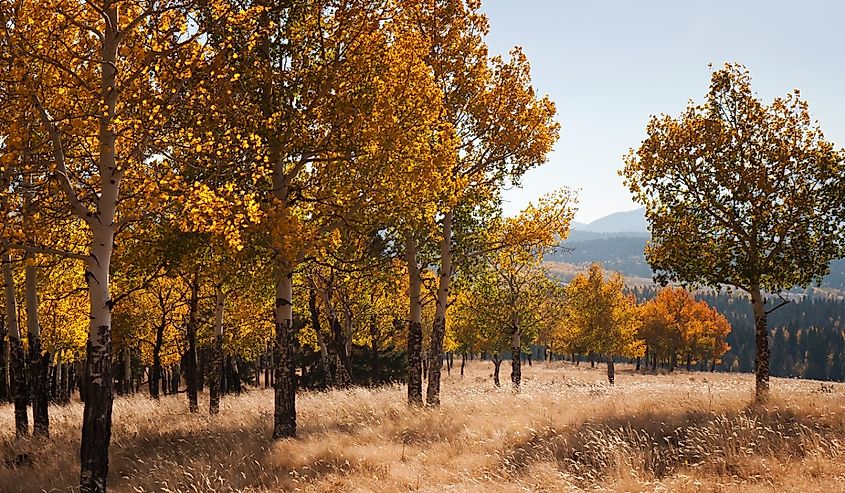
x: 201, y: 189
x: 806, y: 335
x: 592, y: 318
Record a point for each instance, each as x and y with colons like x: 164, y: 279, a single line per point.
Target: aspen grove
x: 202, y: 196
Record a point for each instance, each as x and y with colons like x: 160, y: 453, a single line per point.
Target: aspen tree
x: 325, y: 123
x: 102, y: 121
x: 601, y: 317
x: 742, y: 193
x: 502, y: 129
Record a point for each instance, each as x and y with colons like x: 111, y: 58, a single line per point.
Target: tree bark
x: 415, y: 335
x: 434, y: 364
x: 516, y: 361
x: 38, y: 365
x: 20, y: 387
x: 99, y: 392
x: 157, y: 372
x: 75, y: 380
x: 611, y: 370
x: 5, y: 394
x: 175, y: 378
x: 343, y: 378
x: 234, y: 369
x: 438, y: 332
x: 374, y: 366
x: 164, y: 384
x: 463, y: 362
x: 128, y: 388
x: 761, y: 333
x: 284, y: 415
x: 190, y: 358
x: 224, y: 374
x: 216, y: 372
x: 268, y: 379
x: 55, y: 370
x: 64, y: 383
x: 314, y: 311
x: 97, y: 415
x: 497, y: 364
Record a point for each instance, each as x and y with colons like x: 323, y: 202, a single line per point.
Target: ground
x: 567, y: 430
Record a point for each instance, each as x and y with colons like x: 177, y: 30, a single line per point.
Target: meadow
x: 567, y: 430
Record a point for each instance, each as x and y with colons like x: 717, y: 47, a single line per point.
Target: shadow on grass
x: 200, y: 453
x: 659, y: 443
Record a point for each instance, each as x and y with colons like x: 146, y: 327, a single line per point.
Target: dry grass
x: 566, y: 431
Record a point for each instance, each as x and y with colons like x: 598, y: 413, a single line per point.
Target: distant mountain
x: 577, y: 235
x: 619, y: 252
x: 617, y: 241
x: 618, y: 222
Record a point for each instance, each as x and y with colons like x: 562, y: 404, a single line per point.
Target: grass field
x: 565, y: 431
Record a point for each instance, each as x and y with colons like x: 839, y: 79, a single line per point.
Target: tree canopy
x: 740, y: 193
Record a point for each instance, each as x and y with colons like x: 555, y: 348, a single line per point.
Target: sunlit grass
x: 565, y: 431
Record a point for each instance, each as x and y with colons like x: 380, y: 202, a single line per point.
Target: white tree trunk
x: 38, y: 365
x: 97, y: 415
x: 16, y: 355
x: 11, y: 301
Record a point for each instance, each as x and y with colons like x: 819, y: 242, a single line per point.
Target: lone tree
x: 740, y: 193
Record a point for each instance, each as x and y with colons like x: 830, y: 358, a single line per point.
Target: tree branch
x: 59, y: 156
x: 783, y: 302
x: 7, y: 245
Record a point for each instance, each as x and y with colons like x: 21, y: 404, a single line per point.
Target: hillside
x: 623, y: 254
x: 618, y: 241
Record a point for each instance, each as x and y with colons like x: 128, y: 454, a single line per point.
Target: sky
x: 610, y: 64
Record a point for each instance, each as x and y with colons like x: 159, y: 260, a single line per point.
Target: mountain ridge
x: 632, y: 221
x: 618, y: 240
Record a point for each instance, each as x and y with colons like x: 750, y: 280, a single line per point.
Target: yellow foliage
x: 599, y: 317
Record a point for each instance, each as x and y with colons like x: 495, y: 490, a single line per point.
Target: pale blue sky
x: 608, y: 65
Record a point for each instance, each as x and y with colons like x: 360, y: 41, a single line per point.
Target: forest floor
x: 567, y: 430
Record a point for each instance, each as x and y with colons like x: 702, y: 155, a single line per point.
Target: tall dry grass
x: 565, y: 431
